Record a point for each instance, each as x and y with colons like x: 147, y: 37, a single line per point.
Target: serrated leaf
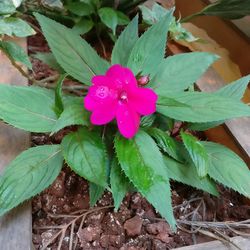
x: 149, y: 49
x: 29, y: 174
x: 168, y: 144
x: 49, y: 59
x: 187, y: 174
x: 73, y: 114
x: 59, y: 95
x: 235, y: 89
x: 83, y: 26
x: 228, y: 168
x: 73, y: 53
x: 15, y: 53
x: 143, y: 164
x: 120, y: 184
x: 109, y: 18
x: 177, y: 73
x: 200, y: 107
x: 197, y: 153
x: 27, y: 108
x: 125, y: 43
x: 85, y: 153
x: 95, y: 193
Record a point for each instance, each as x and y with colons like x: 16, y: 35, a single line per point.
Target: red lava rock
x: 133, y: 226
x: 89, y: 234
x: 111, y: 240
x: 158, y: 245
x: 164, y: 237
x: 112, y: 225
x: 159, y: 227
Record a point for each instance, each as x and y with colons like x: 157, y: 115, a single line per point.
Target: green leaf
x: 13, y: 26
x: 53, y: 4
x: 83, y: 26
x: 15, y: 53
x: 85, y: 153
x: 122, y: 19
x: 147, y: 121
x: 120, y: 184
x: 177, y: 73
x: 73, y: 114
x: 197, y: 152
x: 95, y: 193
x: 187, y: 174
x: 29, y: 174
x: 109, y: 18
x: 59, y: 95
x: 168, y: 144
x: 125, y: 43
x: 7, y: 7
x: 200, y: 107
x: 73, y: 53
x: 231, y: 9
x: 49, y: 59
x: 228, y: 168
x: 28, y: 108
x: 143, y: 164
x: 235, y: 89
x: 149, y: 50
x: 80, y: 8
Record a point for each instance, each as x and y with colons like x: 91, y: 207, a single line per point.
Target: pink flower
x: 117, y: 95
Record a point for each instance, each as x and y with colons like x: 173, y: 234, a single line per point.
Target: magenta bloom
x: 117, y: 95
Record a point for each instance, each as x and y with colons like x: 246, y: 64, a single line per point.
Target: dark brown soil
x: 136, y: 225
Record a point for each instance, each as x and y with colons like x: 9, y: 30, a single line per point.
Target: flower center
x: 123, y: 96
x: 102, y: 92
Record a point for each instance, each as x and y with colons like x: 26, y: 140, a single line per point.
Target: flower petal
x: 100, y: 80
x: 128, y: 120
x: 143, y: 101
x: 121, y: 77
x: 103, y: 114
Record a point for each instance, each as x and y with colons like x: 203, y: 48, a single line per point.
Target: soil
x: 136, y: 225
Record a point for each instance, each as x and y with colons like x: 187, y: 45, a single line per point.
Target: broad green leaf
x: 187, y: 174
x: 120, y: 184
x: 73, y: 114
x: 49, y: 59
x: 7, y: 7
x: 80, y: 8
x: 149, y: 50
x: 143, y: 164
x: 200, y: 107
x: 177, y: 73
x: 13, y: 26
x: 109, y: 18
x: 95, y: 193
x: 15, y: 53
x: 197, y: 153
x: 29, y: 174
x: 28, y: 108
x: 228, y: 168
x: 125, y: 43
x: 73, y: 53
x: 85, y: 153
x: 168, y: 144
x: 122, y: 19
x: 83, y: 26
x: 235, y: 89
x: 231, y: 9
x: 59, y: 95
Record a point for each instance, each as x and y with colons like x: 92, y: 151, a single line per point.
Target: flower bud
x: 143, y: 80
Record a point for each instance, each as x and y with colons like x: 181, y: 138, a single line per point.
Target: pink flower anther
x: 117, y: 95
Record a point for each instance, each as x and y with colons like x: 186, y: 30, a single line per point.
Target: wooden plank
x: 15, y: 226
x: 242, y: 243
